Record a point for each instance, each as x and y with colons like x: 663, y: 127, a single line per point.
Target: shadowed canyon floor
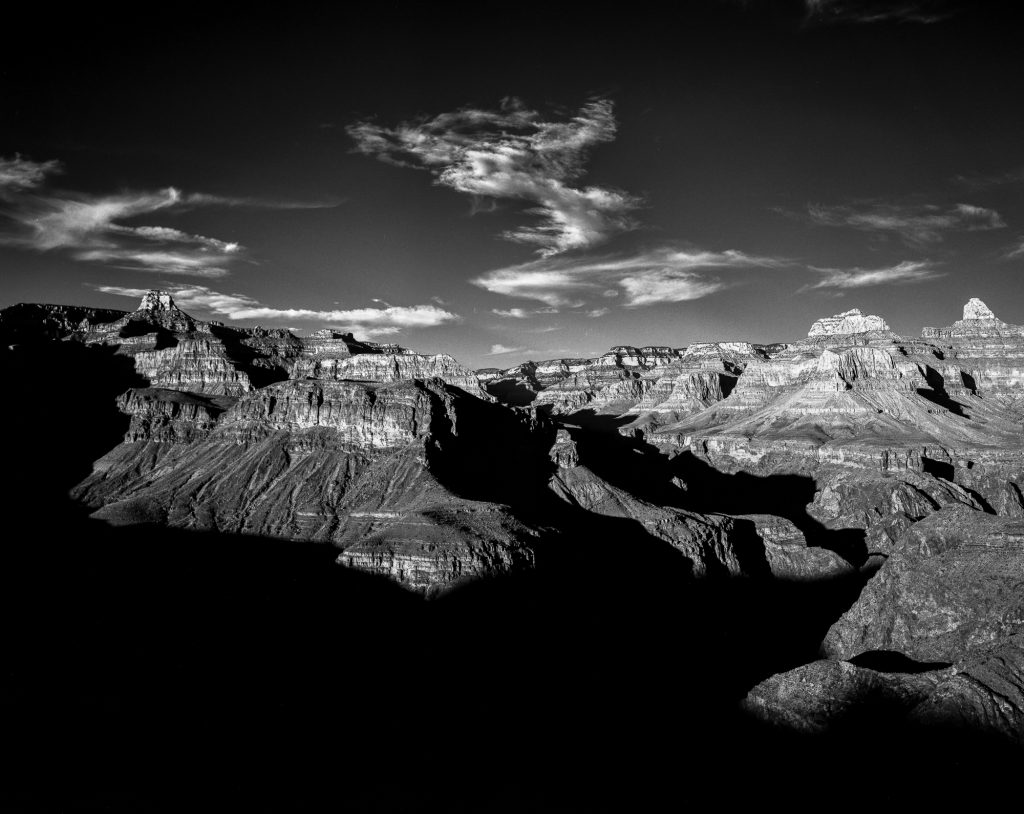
x: 811, y: 557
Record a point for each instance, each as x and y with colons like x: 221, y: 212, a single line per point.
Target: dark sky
x: 511, y: 181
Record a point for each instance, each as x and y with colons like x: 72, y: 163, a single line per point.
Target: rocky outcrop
x: 949, y: 589
x: 611, y: 384
x: 884, y: 504
x: 170, y: 416
x: 387, y: 367
x: 871, y: 401
x: 787, y: 554
x: 983, y: 356
x: 980, y: 695
x: 822, y: 695
x: 347, y: 462
x: 35, y: 322
x: 984, y: 694
x: 848, y: 322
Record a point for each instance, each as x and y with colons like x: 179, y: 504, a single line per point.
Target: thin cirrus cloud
x: 1014, y: 176
x: 916, y: 225
x: 1016, y: 252
x: 656, y: 276
x: 97, y: 229
x: 902, y: 273
x: 501, y: 350
x: 522, y: 313
x: 879, y: 11
x: 367, y: 321
x: 514, y: 154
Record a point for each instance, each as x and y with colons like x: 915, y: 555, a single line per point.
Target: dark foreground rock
x: 952, y: 587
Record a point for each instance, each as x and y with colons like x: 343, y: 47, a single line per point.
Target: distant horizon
x: 306, y: 331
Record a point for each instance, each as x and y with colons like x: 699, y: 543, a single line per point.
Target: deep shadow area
x: 148, y: 669
x: 512, y: 393
x: 154, y: 669
x: 937, y: 393
x: 940, y: 469
x: 59, y: 413
x: 687, y: 482
x: 891, y: 661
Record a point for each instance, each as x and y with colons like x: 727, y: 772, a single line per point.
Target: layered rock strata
x: 339, y: 461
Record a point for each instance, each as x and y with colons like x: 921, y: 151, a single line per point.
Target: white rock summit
x: 848, y: 322
x: 157, y: 301
x: 976, y: 309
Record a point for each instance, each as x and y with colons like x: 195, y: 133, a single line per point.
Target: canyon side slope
x: 882, y: 473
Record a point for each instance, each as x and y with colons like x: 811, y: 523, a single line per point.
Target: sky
x: 506, y: 182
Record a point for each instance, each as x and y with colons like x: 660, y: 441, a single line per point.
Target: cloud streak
x: 19, y: 173
x: 916, y: 225
x: 514, y: 154
x: 656, y: 276
x: 903, y: 273
x: 367, y: 321
x: 501, y: 350
x: 99, y: 229
x: 879, y: 11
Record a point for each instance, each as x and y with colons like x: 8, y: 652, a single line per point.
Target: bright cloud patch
x: 367, y: 321
x: 513, y: 154
x: 661, y: 275
x: 902, y: 273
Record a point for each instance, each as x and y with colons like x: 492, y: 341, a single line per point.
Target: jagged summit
x: 976, y: 309
x: 156, y: 300
x: 978, y: 322
x: 848, y: 322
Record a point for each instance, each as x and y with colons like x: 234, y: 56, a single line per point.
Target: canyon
x: 872, y: 479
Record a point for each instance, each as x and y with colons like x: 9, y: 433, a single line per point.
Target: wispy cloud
x: 1014, y: 176
x: 99, y: 229
x: 917, y: 225
x: 367, y: 321
x: 879, y: 11
x: 514, y: 154
x: 660, y: 275
x: 501, y: 350
x: 902, y: 273
x: 20, y: 173
x: 1017, y: 251
x: 598, y: 312
x: 523, y: 313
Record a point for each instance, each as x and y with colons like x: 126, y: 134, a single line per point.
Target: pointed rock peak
x: 976, y: 309
x: 156, y: 300
x: 848, y: 322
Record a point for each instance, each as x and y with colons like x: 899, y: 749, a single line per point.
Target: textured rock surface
x: 340, y: 461
x: 884, y: 504
x: 819, y: 696
x: 952, y: 586
x: 976, y: 309
x: 983, y: 694
x: 848, y: 322
x: 787, y: 554
x: 387, y: 367
x: 983, y: 356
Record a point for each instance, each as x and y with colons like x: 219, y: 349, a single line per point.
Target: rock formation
x: 882, y: 472
x: 848, y: 322
x: 950, y: 588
